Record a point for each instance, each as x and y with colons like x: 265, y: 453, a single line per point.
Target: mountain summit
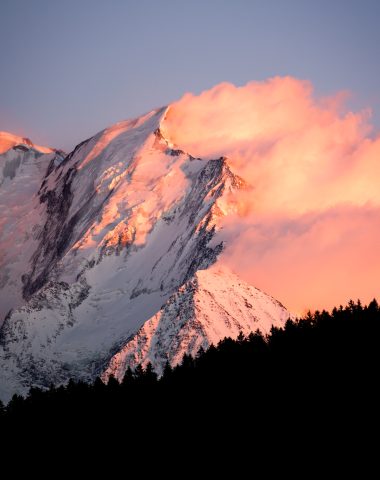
x: 109, y: 258
x: 10, y: 141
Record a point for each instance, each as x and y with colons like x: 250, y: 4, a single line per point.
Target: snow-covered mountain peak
x: 9, y: 141
x: 97, y: 242
x: 212, y: 305
x: 22, y: 169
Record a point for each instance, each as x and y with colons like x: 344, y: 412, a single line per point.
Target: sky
x: 69, y: 68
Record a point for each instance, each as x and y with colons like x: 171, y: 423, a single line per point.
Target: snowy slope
x: 22, y: 167
x: 212, y: 305
x: 113, y: 231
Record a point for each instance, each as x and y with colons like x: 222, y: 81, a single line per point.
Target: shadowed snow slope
x: 22, y: 167
x: 98, y: 241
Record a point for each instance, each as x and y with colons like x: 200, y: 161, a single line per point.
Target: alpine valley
x: 109, y: 257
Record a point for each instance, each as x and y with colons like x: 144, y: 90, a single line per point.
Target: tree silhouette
x: 316, y: 367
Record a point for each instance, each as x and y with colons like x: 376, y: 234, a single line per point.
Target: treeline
x: 323, y: 364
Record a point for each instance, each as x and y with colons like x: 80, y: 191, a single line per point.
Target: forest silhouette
x: 323, y: 367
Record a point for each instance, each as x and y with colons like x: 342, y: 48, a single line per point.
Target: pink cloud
x: 314, y: 260
x: 309, y: 234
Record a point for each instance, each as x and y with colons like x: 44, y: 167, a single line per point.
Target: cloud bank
x: 308, y: 227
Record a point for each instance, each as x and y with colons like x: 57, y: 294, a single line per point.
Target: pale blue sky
x: 72, y: 67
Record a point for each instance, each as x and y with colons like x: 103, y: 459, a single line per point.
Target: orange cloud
x: 312, y: 261
x: 309, y: 235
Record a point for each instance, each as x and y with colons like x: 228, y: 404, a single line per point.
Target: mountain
x: 9, y: 142
x: 106, y: 256
x: 22, y: 168
x: 212, y: 305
